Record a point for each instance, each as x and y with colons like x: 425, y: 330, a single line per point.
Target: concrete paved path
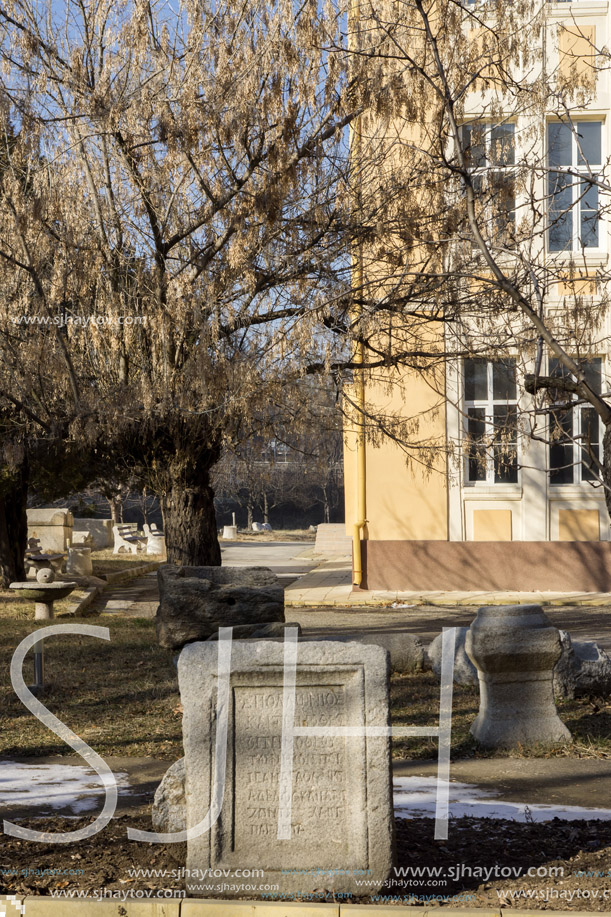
x: 137, y: 599
x: 289, y: 560
x: 544, y: 781
x: 330, y: 584
x: 427, y: 621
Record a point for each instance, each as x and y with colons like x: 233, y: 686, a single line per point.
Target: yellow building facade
x: 460, y: 509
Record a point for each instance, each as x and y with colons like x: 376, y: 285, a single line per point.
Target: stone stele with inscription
x: 341, y: 817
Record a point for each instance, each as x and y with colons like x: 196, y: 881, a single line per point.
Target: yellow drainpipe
x: 359, y: 358
x: 361, y: 473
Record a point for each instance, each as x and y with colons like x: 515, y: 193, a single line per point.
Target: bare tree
x: 182, y: 239
x: 291, y: 454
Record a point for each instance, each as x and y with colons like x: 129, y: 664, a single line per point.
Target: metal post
x: 39, y: 666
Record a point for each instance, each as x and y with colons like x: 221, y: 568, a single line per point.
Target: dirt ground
x: 483, y: 863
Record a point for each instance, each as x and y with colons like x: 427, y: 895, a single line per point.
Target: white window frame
x: 577, y: 411
x: 577, y: 194
x: 488, y: 405
x: 489, y: 168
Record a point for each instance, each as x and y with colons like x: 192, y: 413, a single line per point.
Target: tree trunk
x: 14, y: 526
x: 116, y: 509
x: 326, y: 506
x: 190, y: 525
x: 606, y: 463
x: 249, y: 510
x: 265, y: 509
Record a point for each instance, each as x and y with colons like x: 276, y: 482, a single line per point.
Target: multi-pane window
x: 575, y: 438
x: 490, y: 152
x: 574, y: 154
x: 490, y: 399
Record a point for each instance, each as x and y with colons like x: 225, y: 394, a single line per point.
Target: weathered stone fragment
x: 583, y: 669
x: 406, y: 651
x: 169, y: 805
x: 465, y: 672
x: 196, y: 601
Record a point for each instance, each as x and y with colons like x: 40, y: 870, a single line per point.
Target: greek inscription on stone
x: 319, y: 764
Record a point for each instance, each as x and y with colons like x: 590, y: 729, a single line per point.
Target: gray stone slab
x: 195, y: 601
x: 406, y: 650
x: 342, y: 817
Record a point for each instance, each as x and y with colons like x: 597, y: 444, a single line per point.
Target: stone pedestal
x: 514, y: 649
x: 230, y: 532
x: 341, y: 816
x: 79, y: 561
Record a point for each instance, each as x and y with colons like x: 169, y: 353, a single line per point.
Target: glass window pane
x: 502, y: 145
x: 476, y: 424
x: 476, y: 380
x: 562, y: 426
x: 505, y: 464
x: 476, y: 431
x: 561, y: 448
x: 503, y: 203
x: 589, y: 229
x: 506, y: 422
x: 561, y: 215
x: 504, y: 380
x: 561, y: 190
x: 592, y: 370
x: 561, y: 232
x: 556, y: 368
x: 590, y: 443
x: 588, y: 143
x: 589, y: 217
x: 588, y: 194
x: 561, y: 464
x: 505, y: 444
x: 559, y: 144
x: 473, y: 138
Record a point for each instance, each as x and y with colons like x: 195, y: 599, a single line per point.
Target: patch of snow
x: 52, y: 785
x: 414, y: 797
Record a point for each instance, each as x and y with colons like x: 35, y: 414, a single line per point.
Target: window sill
x: 477, y: 491
x: 596, y: 257
x: 579, y: 7
x: 560, y: 491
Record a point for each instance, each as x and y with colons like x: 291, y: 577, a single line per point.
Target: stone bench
x: 155, y: 543
x: 127, y: 539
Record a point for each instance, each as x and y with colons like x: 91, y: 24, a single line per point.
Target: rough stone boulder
x: 196, y: 601
x: 465, y: 672
x: 583, y: 669
x: 169, y: 804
